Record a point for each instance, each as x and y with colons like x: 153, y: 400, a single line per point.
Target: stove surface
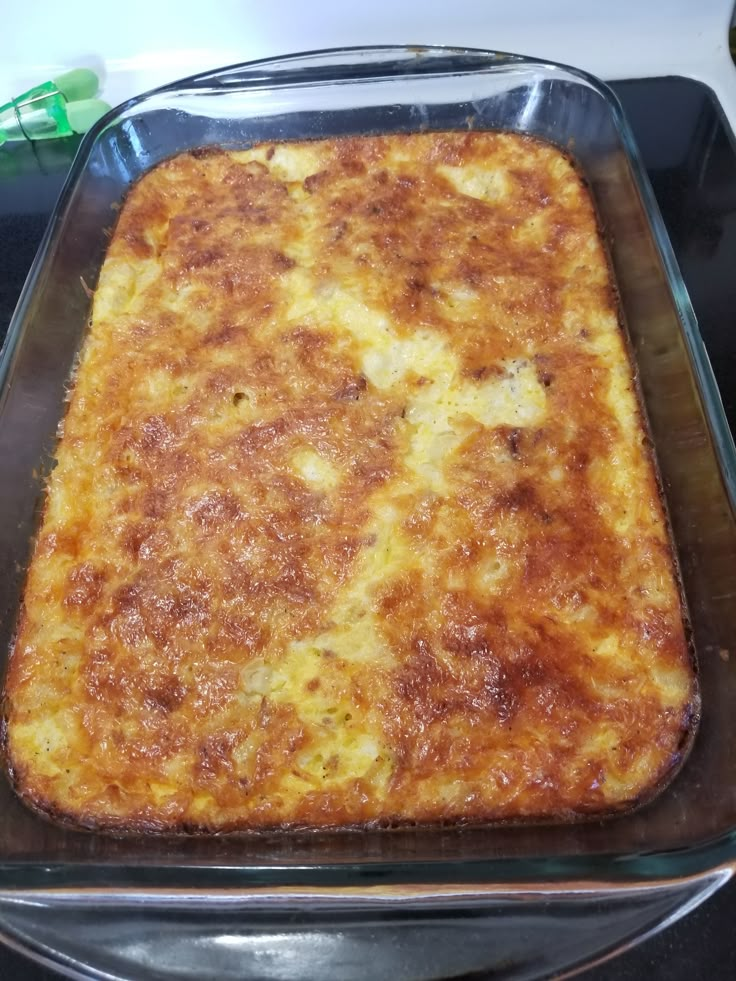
x: 690, y: 156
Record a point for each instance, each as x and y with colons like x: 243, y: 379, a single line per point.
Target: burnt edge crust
x: 48, y: 811
x: 692, y: 710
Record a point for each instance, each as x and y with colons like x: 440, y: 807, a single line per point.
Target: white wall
x: 142, y: 43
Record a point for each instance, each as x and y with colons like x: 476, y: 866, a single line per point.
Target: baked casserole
x: 354, y: 518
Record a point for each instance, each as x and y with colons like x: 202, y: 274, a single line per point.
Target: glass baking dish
x: 520, y: 900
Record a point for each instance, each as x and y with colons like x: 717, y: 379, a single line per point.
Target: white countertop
x: 144, y: 43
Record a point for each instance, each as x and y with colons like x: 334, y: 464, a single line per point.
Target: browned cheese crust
x: 354, y: 518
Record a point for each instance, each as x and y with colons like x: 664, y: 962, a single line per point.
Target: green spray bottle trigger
x: 57, y: 108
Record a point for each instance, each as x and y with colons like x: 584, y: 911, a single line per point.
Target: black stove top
x: 690, y: 156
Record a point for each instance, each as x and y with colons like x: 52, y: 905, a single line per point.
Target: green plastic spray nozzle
x: 65, y: 105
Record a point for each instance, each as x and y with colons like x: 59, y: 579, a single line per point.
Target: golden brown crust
x: 354, y: 519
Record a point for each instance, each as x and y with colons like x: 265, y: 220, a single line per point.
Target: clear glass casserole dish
x: 520, y: 901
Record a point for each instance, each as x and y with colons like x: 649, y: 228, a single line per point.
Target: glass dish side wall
x: 372, y: 92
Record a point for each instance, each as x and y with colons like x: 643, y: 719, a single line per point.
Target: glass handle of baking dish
x: 275, y: 936
x: 350, y: 64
